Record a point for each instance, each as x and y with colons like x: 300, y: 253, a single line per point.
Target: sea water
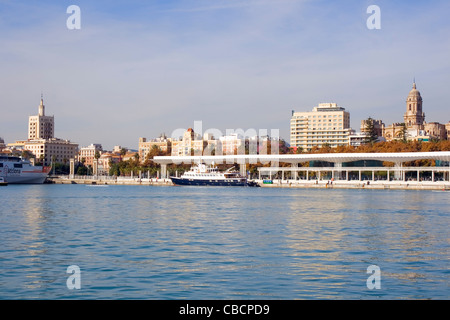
x: 150, y: 242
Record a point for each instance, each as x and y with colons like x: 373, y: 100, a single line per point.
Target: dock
x: 276, y: 183
x: 105, y: 180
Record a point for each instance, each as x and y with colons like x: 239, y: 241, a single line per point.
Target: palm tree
x: 53, y: 163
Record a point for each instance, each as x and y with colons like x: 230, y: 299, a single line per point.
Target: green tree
x: 82, y: 170
x: 404, y: 133
x: 370, y: 130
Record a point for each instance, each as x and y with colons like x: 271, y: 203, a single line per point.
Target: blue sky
x: 141, y: 68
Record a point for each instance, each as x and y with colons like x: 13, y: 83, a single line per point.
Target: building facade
x: 53, y: 150
x: 87, y: 154
x: 191, y: 144
x: 378, y: 126
x: 163, y: 143
x: 325, y: 124
x: 41, y: 126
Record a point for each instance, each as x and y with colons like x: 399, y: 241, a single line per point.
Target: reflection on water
x: 222, y: 243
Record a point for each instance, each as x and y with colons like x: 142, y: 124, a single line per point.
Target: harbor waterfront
x: 133, y: 242
x: 274, y: 183
x: 295, y: 175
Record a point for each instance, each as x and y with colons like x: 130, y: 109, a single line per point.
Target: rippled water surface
x: 141, y: 242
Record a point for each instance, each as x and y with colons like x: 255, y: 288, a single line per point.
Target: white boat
x: 3, y: 182
x: 202, y: 175
x: 17, y: 170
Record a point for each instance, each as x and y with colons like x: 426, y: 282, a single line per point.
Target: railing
x: 107, y: 178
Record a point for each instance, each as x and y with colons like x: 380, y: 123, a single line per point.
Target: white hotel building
x: 325, y: 124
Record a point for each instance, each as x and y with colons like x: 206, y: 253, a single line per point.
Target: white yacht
x: 202, y: 175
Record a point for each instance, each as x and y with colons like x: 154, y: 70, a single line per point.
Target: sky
x: 142, y: 68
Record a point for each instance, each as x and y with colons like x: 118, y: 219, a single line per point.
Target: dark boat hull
x: 207, y: 182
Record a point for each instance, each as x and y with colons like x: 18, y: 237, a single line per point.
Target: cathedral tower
x: 414, y: 117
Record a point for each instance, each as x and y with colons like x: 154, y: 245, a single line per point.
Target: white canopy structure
x: 294, y: 159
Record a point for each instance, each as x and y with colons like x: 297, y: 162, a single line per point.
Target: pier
x: 338, y: 175
x: 108, y: 180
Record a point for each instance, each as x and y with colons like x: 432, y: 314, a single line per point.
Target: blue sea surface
x: 149, y: 242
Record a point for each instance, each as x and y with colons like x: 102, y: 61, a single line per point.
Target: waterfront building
x: 130, y: 155
x: 41, y: 126
x: 88, y: 153
x: 52, y: 150
x: 232, y: 144
x: 355, y: 139
x: 163, y: 143
x: 106, y: 160
x: 327, y: 124
x: 191, y: 143
x: 213, y: 146
x: 194, y: 144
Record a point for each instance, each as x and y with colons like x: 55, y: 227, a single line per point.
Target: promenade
x: 107, y: 180
x: 275, y: 183
x: 379, y: 185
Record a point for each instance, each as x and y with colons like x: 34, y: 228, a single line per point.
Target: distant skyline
x: 141, y: 68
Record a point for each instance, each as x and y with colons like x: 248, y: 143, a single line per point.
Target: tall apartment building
x: 41, y: 126
x: 325, y: 124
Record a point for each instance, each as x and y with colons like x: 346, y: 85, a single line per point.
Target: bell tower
x: 414, y: 116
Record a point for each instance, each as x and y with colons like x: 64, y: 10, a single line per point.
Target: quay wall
x: 380, y: 185
x: 119, y: 181
x: 321, y: 184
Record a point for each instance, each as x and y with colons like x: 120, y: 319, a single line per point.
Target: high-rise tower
x: 41, y: 126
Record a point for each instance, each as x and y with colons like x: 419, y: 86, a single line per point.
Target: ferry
x: 202, y: 175
x: 18, y: 170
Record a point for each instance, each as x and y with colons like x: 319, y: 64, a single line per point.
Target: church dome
x: 414, y: 94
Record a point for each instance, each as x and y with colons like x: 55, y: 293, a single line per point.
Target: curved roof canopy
x: 397, y: 157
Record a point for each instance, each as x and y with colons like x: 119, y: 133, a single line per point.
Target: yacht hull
x: 209, y: 182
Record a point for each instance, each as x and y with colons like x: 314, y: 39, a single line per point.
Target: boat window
x: 1, y: 165
x: 17, y: 165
